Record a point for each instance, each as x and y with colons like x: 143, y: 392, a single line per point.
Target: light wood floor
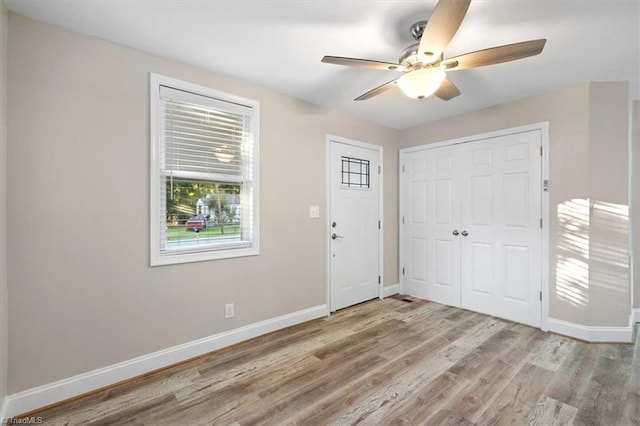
x: 384, y: 362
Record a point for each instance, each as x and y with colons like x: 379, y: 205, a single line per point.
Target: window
x: 204, y: 185
x: 355, y: 172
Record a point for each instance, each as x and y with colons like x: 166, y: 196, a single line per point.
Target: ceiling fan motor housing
x: 410, y: 58
x: 417, y: 29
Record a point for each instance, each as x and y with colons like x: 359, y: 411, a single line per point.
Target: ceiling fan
x: 423, y: 64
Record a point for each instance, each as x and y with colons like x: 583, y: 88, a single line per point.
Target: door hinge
x: 540, y: 150
x: 378, y: 279
x: 540, y: 223
x: 403, y: 270
x: 541, y: 296
x: 545, y: 185
x: 403, y: 168
x: 403, y: 220
x: 379, y: 225
x: 379, y: 169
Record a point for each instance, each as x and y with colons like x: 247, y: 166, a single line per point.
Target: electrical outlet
x: 229, y: 310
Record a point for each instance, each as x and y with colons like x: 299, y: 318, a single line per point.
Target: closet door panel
x: 432, y: 213
x: 500, y: 212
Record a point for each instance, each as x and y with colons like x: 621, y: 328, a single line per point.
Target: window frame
x: 156, y: 200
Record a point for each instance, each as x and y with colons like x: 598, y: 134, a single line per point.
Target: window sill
x: 158, y: 259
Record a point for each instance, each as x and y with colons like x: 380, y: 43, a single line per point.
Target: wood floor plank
x: 553, y: 352
x: 631, y: 413
x: 383, y: 362
x: 570, y: 383
x: 427, y: 401
x: 492, y: 375
x: 357, y: 342
x: 519, y: 398
x: 494, y: 347
x: 448, y: 417
x: 550, y: 412
x: 632, y: 401
x: 603, y: 401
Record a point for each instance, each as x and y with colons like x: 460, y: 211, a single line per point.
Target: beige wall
x: 635, y: 207
x: 588, y: 158
x: 3, y: 269
x: 608, y: 193
x: 82, y: 293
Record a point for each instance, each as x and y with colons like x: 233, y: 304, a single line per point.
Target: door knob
x: 465, y: 233
x: 455, y: 232
x: 334, y: 236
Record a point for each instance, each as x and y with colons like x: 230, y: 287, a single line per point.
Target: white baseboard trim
x: 41, y: 396
x: 4, y: 408
x: 390, y: 290
x: 592, y: 334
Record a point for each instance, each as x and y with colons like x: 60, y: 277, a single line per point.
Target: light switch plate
x: 314, y: 212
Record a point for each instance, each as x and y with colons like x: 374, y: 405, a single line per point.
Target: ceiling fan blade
x: 442, y: 26
x: 363, y: 63
x: 495, y: 55
x: 447, y: 90
x: 378, y: 90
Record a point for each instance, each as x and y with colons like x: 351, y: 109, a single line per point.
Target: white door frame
x: 543, y: 127
x: 338, y: 139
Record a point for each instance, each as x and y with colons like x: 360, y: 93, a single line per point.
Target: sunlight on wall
x: 572, y: 266
x: 592, y: 250
x: 610, y: 247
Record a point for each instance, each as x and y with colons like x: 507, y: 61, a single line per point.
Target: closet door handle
x: 465, y: 233
x: 455, y: 232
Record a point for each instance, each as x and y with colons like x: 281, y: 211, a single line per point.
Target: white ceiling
x: 279, y: 44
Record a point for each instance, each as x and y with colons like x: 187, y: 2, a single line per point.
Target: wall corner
x: 4, y: 21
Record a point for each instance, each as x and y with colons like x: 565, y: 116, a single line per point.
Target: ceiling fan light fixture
x: 421, y: 83
x: 224, y: 154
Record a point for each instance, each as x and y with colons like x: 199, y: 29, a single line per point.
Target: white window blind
x: 204, y: 138
x: 209, y: 142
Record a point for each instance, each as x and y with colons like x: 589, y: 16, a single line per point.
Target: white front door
x: 471, y: 235
x: 353, y: 228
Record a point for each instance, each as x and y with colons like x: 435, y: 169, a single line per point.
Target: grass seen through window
x: 179, y: 232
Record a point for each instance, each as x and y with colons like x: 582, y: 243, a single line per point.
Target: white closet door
x: 488, y: 192
x: 500, y: 213
x: 433, y: 213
